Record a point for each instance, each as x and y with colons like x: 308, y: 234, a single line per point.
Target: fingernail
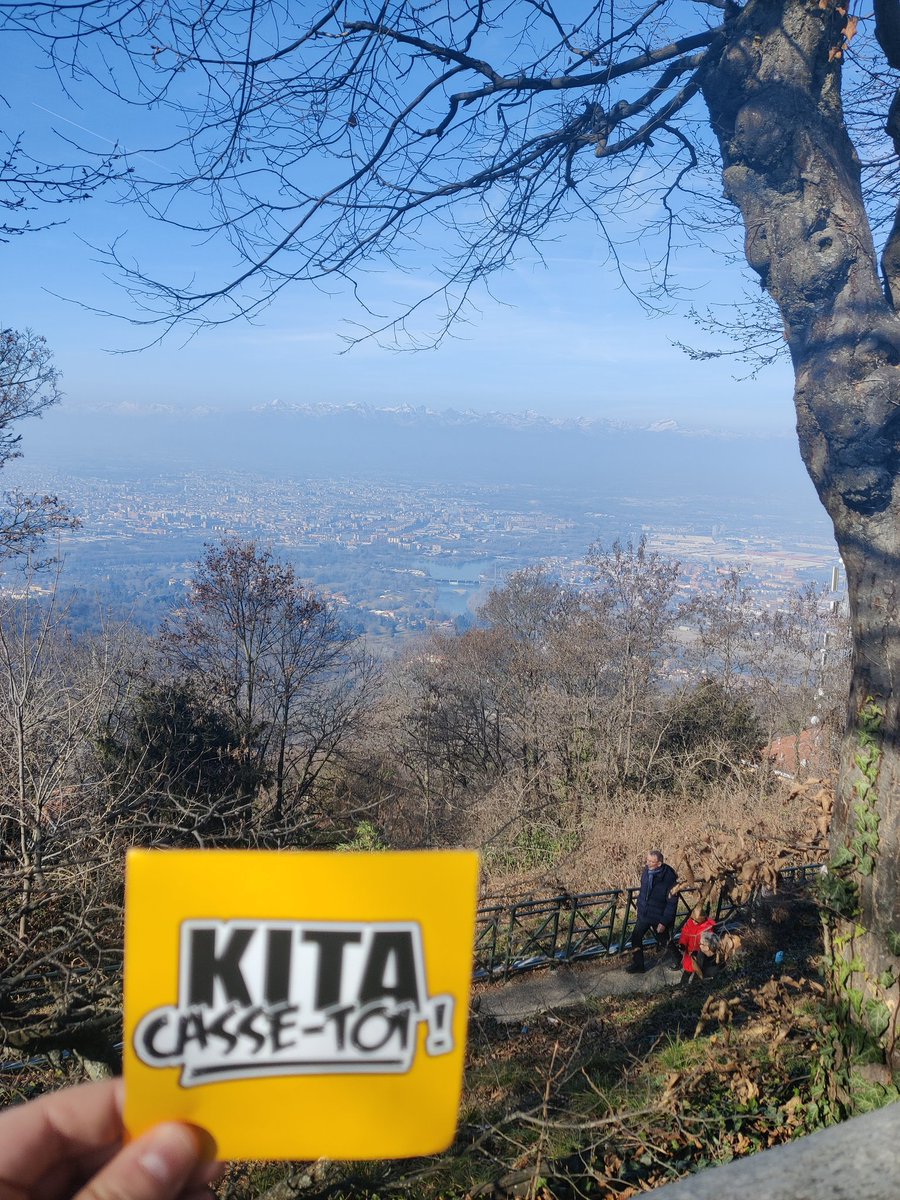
x: 171, y: 1151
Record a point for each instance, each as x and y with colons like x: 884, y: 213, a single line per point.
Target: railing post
x: 509, y: 937
x: 573, y: 911
x: 629, y: 904
x: 555, y: 928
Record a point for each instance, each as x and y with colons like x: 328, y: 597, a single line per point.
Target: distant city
x: 401, y: 555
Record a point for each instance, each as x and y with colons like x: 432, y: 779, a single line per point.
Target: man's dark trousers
x: 637, y: 940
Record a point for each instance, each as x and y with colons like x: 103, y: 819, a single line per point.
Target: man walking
x: 656, y: 907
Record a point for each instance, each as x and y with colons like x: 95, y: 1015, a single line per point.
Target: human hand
x: 69, y: 1146
x: 660, y: 929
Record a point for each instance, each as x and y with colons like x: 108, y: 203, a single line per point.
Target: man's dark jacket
x: 654, y: 903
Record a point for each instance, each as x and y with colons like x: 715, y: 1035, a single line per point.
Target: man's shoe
x: 634, y: 969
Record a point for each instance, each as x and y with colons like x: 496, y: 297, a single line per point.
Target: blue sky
x: 559, y: 337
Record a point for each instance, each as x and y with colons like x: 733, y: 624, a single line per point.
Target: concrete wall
x: 858, y: 1160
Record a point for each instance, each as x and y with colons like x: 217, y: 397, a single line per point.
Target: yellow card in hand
x: 299, y: 1005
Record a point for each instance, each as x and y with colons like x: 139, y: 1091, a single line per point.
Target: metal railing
x: 570, y: 928
x: 536, y: 933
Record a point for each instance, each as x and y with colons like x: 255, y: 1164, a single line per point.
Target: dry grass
x: 608, y: 847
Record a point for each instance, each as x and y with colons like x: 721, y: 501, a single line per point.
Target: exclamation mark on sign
x: 440, y: 1025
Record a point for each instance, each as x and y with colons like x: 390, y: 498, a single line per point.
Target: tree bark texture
x: 773, y: 90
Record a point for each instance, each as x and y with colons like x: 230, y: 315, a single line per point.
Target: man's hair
x: 656, y: 854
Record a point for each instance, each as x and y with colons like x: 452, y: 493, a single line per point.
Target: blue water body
x: 460, y: 584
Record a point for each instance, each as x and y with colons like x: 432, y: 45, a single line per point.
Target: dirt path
x: 566, y: 986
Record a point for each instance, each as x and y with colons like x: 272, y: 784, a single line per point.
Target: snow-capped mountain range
x: 402, y: 416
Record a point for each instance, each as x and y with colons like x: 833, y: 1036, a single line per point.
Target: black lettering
x: 245, y: 1028
x: 148, y: 1039
x: 217, y: 1029
x: 400, y: 1023
x: 339, y: 1016
x: 440, y: 1034
x: 390, y: 952
x: 379, y: 1012
x: 331, y: 945
x: 206, y: 966
x: 278, y: 966
x: 192, y: 1030
x: 279, y: 1022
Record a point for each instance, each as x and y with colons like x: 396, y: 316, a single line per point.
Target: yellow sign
x: 299, y: 1005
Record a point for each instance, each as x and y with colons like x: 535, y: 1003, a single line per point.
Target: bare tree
x: 287, y: 674
x: 548, y: 708
x: 529, y: 614
x: 633, y: 592
x: 27, y: 185
x: 462, y: 713
x: 60, y: 879
x: 800, y: 672
x: 29, y: 384
x: 725, y: 618
x: 173, y: 769
x: 441, y: 737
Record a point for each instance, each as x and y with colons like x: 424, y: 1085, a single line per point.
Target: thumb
x: 156, y: 1166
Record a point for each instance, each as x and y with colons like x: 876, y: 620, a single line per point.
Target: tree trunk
x: 27, y: 827
x: 773, y: 91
